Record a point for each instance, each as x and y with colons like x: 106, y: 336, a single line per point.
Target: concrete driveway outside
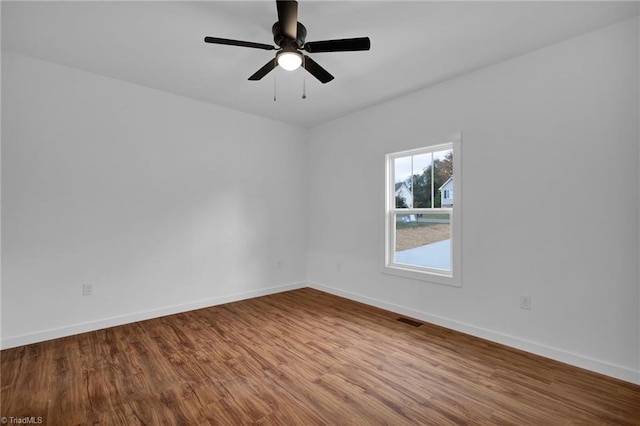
x: 435, y: 255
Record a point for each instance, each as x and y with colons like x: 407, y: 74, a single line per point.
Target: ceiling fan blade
x: 288, y: 18
x: 316, y: 70
x: 229, y: 42
x: 266, y: 69
x: 341, y: 45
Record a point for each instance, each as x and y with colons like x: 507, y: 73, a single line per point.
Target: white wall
x: 638, y: 261
x: 567, y: 112
x: 162, y: 203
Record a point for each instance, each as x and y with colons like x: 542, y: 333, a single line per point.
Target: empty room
x: 320, y: 212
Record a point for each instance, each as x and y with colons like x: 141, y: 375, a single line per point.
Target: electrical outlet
x: 87, y: 289
x: 338, y: 267
x: 525, y: 301
x: 279, y: 264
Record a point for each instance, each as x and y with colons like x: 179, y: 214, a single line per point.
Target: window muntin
x: 421, y: 237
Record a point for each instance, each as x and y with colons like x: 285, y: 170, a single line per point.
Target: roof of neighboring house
x: 445, y: 184
x: 400, y: 185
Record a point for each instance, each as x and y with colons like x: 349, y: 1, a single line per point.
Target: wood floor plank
x: 302, y: 358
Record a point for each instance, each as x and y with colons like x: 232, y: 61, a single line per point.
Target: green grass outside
x: 421, y: 221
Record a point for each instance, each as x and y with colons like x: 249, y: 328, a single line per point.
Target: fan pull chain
x: 304, y: 78
x: 304, y: 87
x: 274, y: 86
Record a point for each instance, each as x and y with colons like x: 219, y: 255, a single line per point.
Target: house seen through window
x: 420, y: 210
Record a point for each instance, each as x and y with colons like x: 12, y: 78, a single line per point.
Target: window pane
x: 402, y: 180
x: 424, y: 240
x: 422, y: 180
x: 442, y: 171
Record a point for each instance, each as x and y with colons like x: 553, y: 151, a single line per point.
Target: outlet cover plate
x: 87, y: 289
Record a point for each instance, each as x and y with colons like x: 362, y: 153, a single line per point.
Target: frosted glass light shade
x: 289, y: 60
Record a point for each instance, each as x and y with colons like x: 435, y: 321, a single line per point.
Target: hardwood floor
x: 301, y: 357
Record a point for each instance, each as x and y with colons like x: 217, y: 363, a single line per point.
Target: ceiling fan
x: 289, y: 35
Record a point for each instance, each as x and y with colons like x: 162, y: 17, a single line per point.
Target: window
x: 422, y: 221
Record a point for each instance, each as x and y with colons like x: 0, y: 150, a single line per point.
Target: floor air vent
x: 409, y: 321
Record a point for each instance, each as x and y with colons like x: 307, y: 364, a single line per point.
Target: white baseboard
x: 41, y: 336
x: 602, y: 367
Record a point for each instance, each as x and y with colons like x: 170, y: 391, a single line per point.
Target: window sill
x: 428, y: 276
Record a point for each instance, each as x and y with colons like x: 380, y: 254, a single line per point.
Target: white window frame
x: 453, y: 277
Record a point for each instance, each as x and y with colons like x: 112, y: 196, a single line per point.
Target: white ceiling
x: 413, y: 45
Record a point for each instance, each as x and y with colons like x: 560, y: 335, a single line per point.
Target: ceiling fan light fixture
x: 290, y: 37
x: 289, y: 60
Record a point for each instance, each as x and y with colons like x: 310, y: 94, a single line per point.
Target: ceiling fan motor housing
x: 287, y: 43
